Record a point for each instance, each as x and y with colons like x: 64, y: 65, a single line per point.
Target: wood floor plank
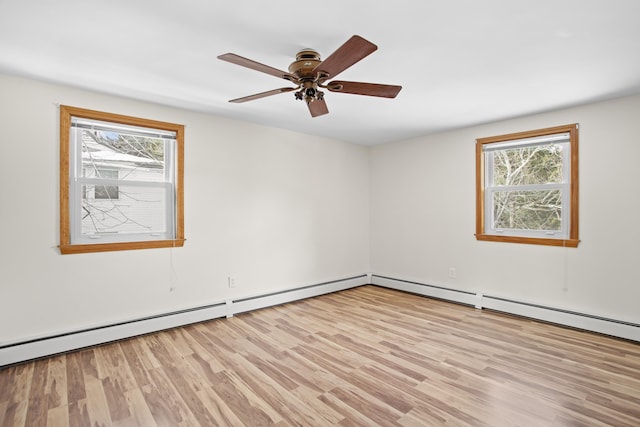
x: 135, y: 362
x: 139, y: 410
x: 56, y: 387
x: 261, y: 387
x: 234, y: 393
x: 220, y: 411
x: 97, y: 403
x: 75, y: 378
x: 213, y: 351
x: 350, y: 417
x: 58, y: 416
x: 78, y: 413
x: 3, y: 411
x: 365, y: 356
x: 38, y: 404
x: 15, y: 414
x: 265, y: 380
x: 116, y: 401
x: 165, y: 402
x: 141, y: 348
x: 377, y: 412
x: 321, y: 379
x: 189, y: 395
x: 315, y: 411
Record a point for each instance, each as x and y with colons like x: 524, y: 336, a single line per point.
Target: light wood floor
x: 366, y: 356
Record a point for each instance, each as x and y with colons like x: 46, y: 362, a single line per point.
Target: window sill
x: 569, y: 243
x: 107, y: 247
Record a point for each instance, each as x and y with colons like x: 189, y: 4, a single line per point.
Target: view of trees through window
x: 527, y: 187
x: 519, y: 175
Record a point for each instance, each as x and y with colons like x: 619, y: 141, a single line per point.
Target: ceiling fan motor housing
x: 306, y: 61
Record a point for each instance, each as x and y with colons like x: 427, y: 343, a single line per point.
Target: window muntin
x: 527, y: 187
x: 121, y: 182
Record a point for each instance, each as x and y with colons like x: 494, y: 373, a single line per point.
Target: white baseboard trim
x: 73, y: 340
x: 613, y: 327
x: 462, y: 297
x: 261, y: 301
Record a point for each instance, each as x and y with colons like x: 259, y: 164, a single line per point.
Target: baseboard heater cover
x: 602, y: 325
x: 266, y: 300
x: 74, y: 340
x: 588, y: 322
x: 462, y: 297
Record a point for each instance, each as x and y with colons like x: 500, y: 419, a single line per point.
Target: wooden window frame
x: 66, y: 247
x: 573, y: 240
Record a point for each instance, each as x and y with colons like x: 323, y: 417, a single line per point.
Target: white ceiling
x: 460, y: 62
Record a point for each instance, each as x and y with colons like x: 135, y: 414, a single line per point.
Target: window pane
x: 101, y: 191
x: 534, y: 165
x: 106, y: 192
x: 528, y: 210
x: 136, y: 158
x: 138, y: 209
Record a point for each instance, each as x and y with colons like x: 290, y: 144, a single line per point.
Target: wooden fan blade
x: 369, y: 89
x: 254, y: 65
x: 354, y: 49
x: 263, y: 94
x: 318, y: 107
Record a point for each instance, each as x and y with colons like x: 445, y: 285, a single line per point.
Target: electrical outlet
x: 232, y: 281
x: 452, y: 272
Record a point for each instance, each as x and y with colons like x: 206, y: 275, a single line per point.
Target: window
x: 527, y: 187
x: 121, y: 182
x: 100, y: 191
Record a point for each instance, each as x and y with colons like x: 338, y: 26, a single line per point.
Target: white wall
x: 276, y: 209
x: 423, y: 216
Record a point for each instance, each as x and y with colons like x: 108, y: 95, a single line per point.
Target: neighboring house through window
x: 527, y: 187
x: 120, y: 182
x: 109, y: 192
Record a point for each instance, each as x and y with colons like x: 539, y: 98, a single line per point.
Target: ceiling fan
x: 310, y: 74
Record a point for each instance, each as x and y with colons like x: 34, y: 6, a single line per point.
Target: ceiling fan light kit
x: 310, y: 74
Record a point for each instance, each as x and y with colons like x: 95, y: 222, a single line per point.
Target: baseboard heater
x: 11, y: 353
x: 613, y: 327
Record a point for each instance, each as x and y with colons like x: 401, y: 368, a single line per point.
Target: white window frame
x: 567, y: 136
